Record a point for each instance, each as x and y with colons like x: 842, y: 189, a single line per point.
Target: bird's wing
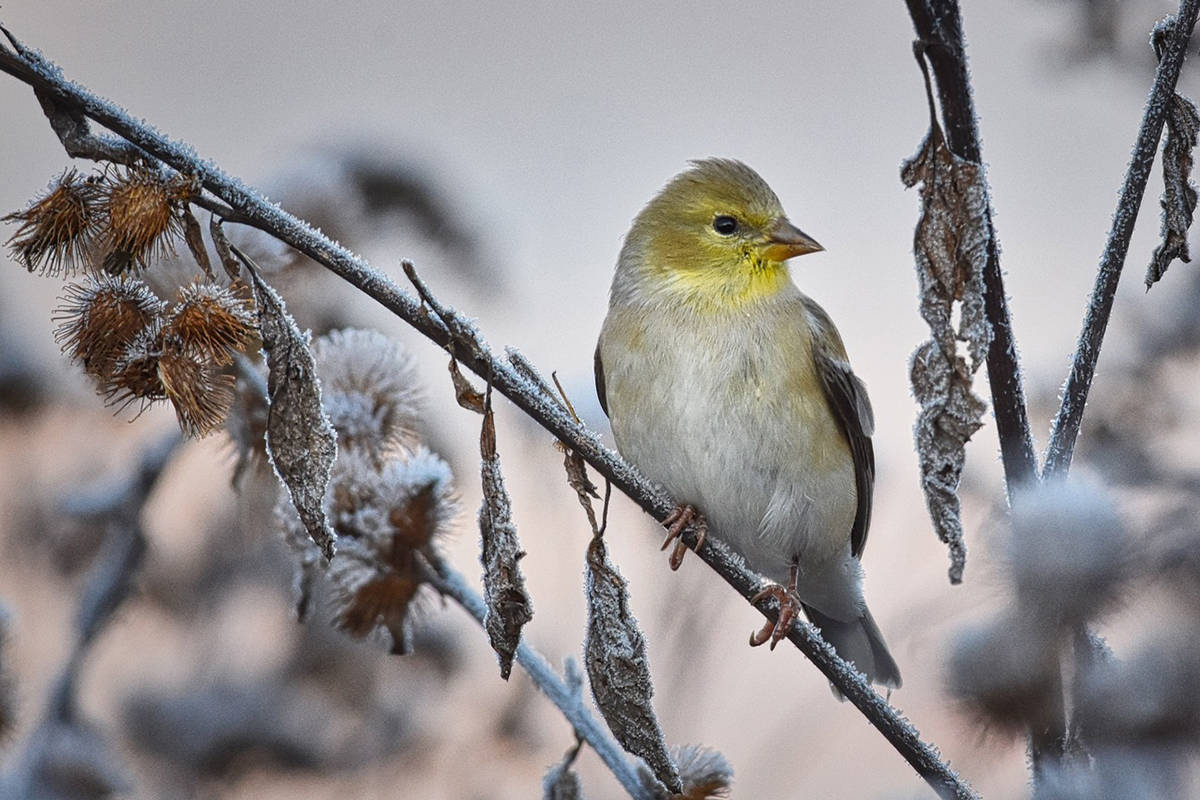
x: 847, y: 396
x: 599, y: 367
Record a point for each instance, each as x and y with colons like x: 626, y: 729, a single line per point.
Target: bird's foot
x: 675, y: 523
x: 789, y: 609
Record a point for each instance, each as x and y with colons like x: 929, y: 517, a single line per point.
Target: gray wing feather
x: 847, y: 396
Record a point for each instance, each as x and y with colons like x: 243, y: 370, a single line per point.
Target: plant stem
x: 1065, y: 429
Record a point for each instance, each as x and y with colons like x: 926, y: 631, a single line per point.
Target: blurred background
x: 504, y: 148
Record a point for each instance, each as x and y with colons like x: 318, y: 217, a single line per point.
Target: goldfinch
x: 731, y: 389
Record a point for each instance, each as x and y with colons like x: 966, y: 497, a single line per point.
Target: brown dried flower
x: 57, y: 231
x: 135, y: 375
x: 200, y: 392
x: 384, y: 518
x: 142, y: 217
x: 211, y: 320
x: 101, y: 318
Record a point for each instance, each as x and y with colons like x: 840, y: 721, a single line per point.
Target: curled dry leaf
x: 1179, y: 193
x: 618, y: 669
x: 950, y: 246
x: 467, y: 395
x: 224, y: 250
x: 301, y: 443
x: 508, y: 603
x: 194, y: 238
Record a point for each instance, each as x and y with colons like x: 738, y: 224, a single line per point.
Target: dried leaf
x: 950, y: 246
x: 508, y: 604
x: 195, y: 241
x: 577, y: 479
x: 301, y: 443
x: 467, y: 395
x: 1179, y: 193
x: 618, y: 670
x: 224, y: 250
x: 950, y: 413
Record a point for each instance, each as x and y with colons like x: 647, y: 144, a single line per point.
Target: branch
x: 939, y: 31
x: 118, y: 508
x: 568, y: 700
x: 938, y: 24
x: 464, y: 342
x: 1083, y: 366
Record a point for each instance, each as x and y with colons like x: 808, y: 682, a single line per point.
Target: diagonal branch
x: 465, y: 342
x: 453, y: 585
x: 1083, y: 366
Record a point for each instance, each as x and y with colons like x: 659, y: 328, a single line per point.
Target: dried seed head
x: 100, y: 318
x: 142, y: 217
x: 368, y: 390
x: 1069, y: 553
x: 1005, y: 671
x: 706, y: 773
x: 382, y: 518
x: 211, y: 320
x: 135, y: 375
x: 200, y: 392
x: 57, y: 230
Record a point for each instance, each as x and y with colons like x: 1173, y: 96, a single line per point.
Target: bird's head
x: 716, y: 234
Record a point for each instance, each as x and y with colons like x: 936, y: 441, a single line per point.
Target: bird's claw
x: 789, y: 609
x: 675, y: 523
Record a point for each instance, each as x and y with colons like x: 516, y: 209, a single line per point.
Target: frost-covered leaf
x: 618, y: 669
x: 950, y: 413
x: 508, y: 604
x: 950, y: 247
x: 1179, y: 193
x: 301, y: 443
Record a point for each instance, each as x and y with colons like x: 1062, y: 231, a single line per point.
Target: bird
x: 731, y: 389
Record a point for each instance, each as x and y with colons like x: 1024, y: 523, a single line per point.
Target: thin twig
x: 1083, y: 366
x: 472, y: 351
x: 453, y: 585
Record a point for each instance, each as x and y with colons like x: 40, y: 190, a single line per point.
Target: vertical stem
x: 1083, y: 367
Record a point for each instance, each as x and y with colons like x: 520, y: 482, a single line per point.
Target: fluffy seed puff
x: 369, y: 390
x: 57, y: 231
x: 389, y: 497
x: 385, y: 518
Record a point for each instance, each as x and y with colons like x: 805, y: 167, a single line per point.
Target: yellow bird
x: 732, y: 390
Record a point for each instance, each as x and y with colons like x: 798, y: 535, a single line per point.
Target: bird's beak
x: 785, y: 240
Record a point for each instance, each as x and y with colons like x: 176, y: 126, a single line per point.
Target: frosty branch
x: 238, y: 203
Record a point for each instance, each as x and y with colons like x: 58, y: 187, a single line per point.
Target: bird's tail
x: 859, y: 641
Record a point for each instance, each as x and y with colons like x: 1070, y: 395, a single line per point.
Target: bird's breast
x: 728, y: 413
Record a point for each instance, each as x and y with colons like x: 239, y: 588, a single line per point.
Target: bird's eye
x: 725, y: 225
